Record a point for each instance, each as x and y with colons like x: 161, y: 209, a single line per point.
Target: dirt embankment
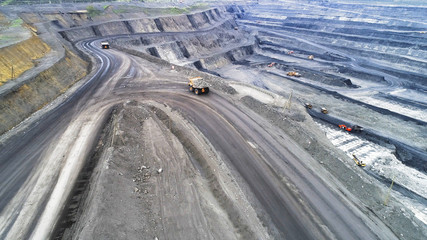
x: 21, y: 102
x: 2, y: 19
x: 158, y: 172
x: 21, y: 57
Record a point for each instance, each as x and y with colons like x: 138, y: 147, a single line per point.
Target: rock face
x: 40, y: 90
x: 21, y: 57
x: 179, y: 23
x: 202, y: 50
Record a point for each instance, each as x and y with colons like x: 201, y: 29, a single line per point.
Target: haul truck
x: 198, y: 85
x: 105, y: 45
x: 293, y: 74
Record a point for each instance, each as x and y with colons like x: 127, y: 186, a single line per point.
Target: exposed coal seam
x: 129, y: 27
x: 153, y: 52
x: 191, y: 20
x: 412, y: 102
x: 340, y: 96
x: 206, y: 18
x: 145, y: 41
x: 417, y: 157
x: 330, y: 22
x: 96, y: 31
x: 64, y: 36
x: 183, y: 49
x: 159, y: 25
x: 379, y: 41
x: 400, y: 188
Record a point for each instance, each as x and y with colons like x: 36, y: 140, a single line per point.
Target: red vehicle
x: 355, y: 128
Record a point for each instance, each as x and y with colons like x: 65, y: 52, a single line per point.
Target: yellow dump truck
x: 293, y: 74
x: 198, y: 85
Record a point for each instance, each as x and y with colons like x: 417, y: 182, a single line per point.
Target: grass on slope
x: 6, y: 2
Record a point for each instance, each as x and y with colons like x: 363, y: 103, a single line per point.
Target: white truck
x: 105, y: 45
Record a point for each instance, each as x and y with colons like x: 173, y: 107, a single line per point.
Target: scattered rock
x: 160, y: 170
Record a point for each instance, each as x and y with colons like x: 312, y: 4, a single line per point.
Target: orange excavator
x: 342, y: 126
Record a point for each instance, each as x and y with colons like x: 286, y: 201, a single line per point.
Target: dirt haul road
x: 170, y: 165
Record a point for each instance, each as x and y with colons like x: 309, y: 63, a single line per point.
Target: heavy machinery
x: 358, y: 162
x: 311, y: 57
x: 271, y: 64
x: 308, y: 105
x: 293, y: 74
x: 105, y: 45
x: 355, y: 128
x: 324, y: 110
x: 198, y: 85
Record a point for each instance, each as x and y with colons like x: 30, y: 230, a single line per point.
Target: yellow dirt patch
x: 21, y: 57
x: 3, y: 20
x: 42, y: 89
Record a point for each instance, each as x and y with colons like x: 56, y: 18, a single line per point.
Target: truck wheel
x: 207, y: 90
x: 196, y: 91
x: 191, y: 89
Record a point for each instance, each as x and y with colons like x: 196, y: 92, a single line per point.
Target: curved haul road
x: 270, y: 165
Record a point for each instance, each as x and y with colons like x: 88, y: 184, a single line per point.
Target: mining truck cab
x: 105, y: 45
x: 198, y: 85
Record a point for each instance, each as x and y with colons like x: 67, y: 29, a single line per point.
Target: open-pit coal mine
x: 213, y: 119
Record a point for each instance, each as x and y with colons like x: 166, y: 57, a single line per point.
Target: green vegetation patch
x: 6, y: 2
x: 175, y: 10
x: 198, y: 6
x: 92, y: 11
x: 16, y: 23
x: 125, y: 9
x: 7, y: 38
